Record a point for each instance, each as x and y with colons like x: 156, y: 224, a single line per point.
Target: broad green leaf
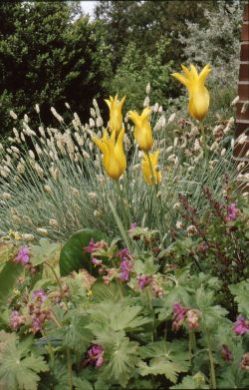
x: 44, y: 251
x: 241, y: 293
x: 19, y: 368
x: 168, y: 359
x: 192, y: 382
x: 76, y: 336
x: 73, y: 257
x: 8, y: 277
x: 117, y: 316
x: 122, y: 357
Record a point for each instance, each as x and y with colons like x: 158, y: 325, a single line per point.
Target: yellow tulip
x: 198, y: 93
x: 142, y: 131
x: 115, y: 111
x: 114, y: 159
x: 150, y: 169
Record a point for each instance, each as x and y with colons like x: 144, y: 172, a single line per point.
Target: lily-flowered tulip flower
x: 198, y: 93
x: 142, y: 131
x: 150, y: 170
x: 114, y: 159
x: 115, y: 111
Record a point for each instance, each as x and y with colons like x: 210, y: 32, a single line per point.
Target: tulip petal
x: 186, y: 71
x: 204, y: 73
x: 181, y: 78
x: 194, y: 72
x: 108, y: 103
x: 146, y: 113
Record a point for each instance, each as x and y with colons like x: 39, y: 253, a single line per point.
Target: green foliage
x: 19, y: 367
x: 147, y: 22
x: 106, y: 332
x: 50, y: 53
x: 73, y: 257
x: 137, y: 69
x: 167, y: 359
x: 8, y: 277
x: 44, y: 251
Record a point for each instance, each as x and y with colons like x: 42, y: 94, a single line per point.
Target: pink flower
x: 16, y: 320
x: 241, y: 326
x: 179, y: 314
x: 95, y: 355
x: 96, y: 262
x: 133, y: 226
x: 143, y: 281
x: 226, y: 353
x: 37, y: 324
x: 232, y: 212
x: 193, y: 317
x: 124, y: 254
x: 125, y: 268
x: 94, y: 246
x: 39, y: 295
x: 23, y: 255
x: 244, y: 364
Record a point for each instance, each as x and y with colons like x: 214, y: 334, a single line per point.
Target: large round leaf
x: 73, y: 257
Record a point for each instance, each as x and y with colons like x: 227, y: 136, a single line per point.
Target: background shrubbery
x: 51, y: 53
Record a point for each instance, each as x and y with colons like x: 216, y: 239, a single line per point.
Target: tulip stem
x: 204, y: 141
x: 125, y: 207
x: 151, y: 168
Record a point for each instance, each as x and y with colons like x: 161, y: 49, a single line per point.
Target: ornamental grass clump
x: 52, y: 179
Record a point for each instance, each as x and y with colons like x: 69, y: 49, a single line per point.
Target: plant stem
x: 211, y: 360
x: 192, y: 344
x: 151, y: 168
x: 57, y: 278
x: 127, y: 216
x: 204, y: 141
x: 69, y: 370
x: 69, y: 361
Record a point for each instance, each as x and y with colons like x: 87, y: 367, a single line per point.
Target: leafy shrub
x: 217, y: 43
x: 137, y: 70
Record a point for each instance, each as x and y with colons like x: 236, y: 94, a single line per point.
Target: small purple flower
x: 226, y: 353
x: 133, y: 226
x: 232, y: 212
x: 96, y: 262
x: 23, y: 255
x: 16, y: 320
x: 125, y: 268
x: 95, y: 355
x: 39, y: 295
x: 143, y: 281
x: 94, y: 246
x: 241, y: 326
